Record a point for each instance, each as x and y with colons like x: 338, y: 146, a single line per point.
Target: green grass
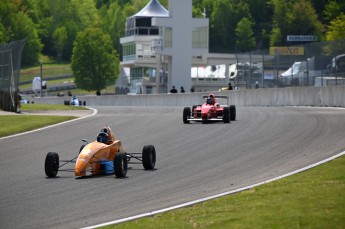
x: 48, y: 70
x: 14, y: 124
x: 46, y: 107
x: 311, y: 199
x: 50, y: 82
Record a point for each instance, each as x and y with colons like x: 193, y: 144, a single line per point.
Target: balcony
x: 142, y: 31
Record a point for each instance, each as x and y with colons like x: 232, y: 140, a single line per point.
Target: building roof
x: 153, y: 9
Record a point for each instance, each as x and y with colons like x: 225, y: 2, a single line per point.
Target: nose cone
x: 83, y: 161
x: 80, y: 173
x: 80, y: 167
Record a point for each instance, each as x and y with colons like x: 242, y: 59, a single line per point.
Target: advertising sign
x: 287, y: 51
x: 301, y: 38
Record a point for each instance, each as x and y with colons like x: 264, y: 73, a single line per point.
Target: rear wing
x: 219, y: 97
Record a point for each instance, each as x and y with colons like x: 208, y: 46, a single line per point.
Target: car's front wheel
x: 232, y: 112
x: 226, y: 114
x: 120, y: 164
x: 51, y: 165
x: 149, y: 157
x: 186, y: 115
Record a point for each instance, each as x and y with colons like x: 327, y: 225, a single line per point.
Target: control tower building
x: 159, y: 46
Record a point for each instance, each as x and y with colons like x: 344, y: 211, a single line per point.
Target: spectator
x: 173, y: 90
x: 182, y: 90
x: 230, y: 86
x: 18, y: 102
x: 192, y: 89
x: 256, y: 85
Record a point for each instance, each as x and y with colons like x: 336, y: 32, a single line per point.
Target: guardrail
x: 331, y: 96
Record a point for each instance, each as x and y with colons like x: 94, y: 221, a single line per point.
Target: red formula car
x: 211, y: 110
x: 106, y: 155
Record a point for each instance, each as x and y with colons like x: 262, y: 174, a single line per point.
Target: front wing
x: 107, y: 166
x: 200, y: 119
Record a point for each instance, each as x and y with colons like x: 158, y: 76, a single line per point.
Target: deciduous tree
x: 336, y: 33
x: 293, y: 18
x: 17, y: 25
x: 60, y: 37
x: 224, y: 18
x: 95, y: 63
x: 245, y: 40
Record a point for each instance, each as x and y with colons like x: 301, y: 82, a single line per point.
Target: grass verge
x: 48, y: 70
x: 46, y: 107
x: 14, y: 124
x: 311, y: 199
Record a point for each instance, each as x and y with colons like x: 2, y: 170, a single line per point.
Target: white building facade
x: 159, y: 46
x: 165, y: 48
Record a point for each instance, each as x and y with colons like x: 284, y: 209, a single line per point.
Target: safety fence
x: 10, y: 62
x: 309, y: 64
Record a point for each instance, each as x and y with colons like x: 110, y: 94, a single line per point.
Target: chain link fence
x: 312, y: 64
x: 10, y: 62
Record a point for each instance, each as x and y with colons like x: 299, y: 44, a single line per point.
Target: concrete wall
x: 331, y: 96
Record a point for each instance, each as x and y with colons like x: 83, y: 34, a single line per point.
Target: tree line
x: 52, y: 26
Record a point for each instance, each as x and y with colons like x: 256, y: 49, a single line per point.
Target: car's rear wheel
x: 226, y: 114
x: 149, y: 157
x: 51, y: 165
x: 120, y: 165
x: 232, y: 112
x: 186, y: 114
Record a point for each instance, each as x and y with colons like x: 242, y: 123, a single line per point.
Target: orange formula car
x: 106, y: 155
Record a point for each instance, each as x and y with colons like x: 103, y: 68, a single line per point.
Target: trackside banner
x: 287, y: 51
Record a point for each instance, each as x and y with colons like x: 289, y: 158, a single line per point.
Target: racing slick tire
x: 149, y: 157
x: 232, y: 112
x: 51, y: 165
x: 186, y: 115
x: 226, y: 114
x: 120, y: 164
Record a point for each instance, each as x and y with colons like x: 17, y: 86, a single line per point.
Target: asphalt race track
x: 193, y: 161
